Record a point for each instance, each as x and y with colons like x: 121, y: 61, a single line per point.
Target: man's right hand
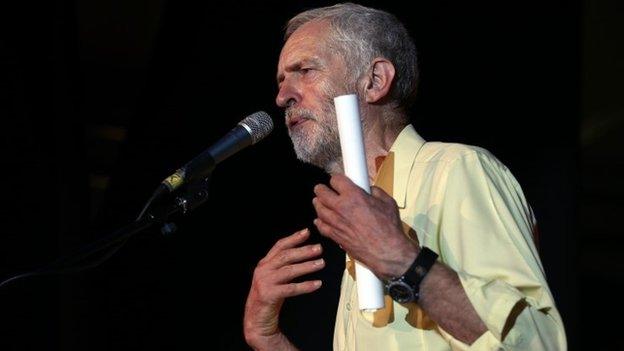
x: 272, y: 283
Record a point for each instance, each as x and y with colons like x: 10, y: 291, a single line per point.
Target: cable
x: 160, y: 190
x: 76, y: 262
x: 23, y: 275
x: 111, y: 243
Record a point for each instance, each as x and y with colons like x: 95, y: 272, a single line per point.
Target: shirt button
x: 348, y: 306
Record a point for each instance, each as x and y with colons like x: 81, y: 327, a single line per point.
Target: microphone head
x: 258, y: 125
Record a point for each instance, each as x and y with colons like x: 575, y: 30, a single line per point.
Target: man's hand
x: 367, y: 226
x: 272, y: 283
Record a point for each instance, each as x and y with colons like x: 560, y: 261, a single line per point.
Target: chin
x: 304, y: 152
x: 305, y: 144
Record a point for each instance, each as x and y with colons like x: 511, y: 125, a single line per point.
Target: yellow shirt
x: 462, y: 203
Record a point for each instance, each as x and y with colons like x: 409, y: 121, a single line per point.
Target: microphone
x: 249, y: 131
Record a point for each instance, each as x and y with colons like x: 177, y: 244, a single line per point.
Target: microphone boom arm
x: 95, y: 253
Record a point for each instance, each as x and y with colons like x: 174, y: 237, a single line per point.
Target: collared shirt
x: 465, y: 205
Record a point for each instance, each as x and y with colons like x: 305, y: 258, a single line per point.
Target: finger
x: 342, y: 184
x: 326, y: 214
x: 295, y: 289
x: 294, y: 255
x: 326, y: 194
x: 326, y: 230
x: 289, y: 241
x: 290, y: 272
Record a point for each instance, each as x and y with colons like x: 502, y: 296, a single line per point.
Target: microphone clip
x: 195, y: 195
x: 161, y: 205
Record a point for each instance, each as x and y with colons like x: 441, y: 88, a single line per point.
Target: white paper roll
x: 369, y: 287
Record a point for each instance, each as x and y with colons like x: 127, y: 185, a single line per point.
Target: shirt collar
x: 393, y: 175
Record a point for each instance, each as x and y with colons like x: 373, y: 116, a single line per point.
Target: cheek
x: 321, y: 101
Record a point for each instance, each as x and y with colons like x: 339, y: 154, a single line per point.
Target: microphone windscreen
x: 259, y: 125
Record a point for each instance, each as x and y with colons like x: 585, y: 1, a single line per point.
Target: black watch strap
x: 420, y: 267
x: 406, y: 288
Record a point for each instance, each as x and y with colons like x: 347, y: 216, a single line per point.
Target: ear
x: 379, y: 80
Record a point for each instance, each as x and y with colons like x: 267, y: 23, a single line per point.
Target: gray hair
x: 364, y: 33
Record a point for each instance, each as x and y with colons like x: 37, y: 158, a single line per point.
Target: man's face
x: 309, y: 77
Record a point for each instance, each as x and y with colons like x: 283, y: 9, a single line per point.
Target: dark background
x: 100, y: 100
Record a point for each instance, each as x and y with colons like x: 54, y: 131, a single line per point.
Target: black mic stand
x: 195, y: 195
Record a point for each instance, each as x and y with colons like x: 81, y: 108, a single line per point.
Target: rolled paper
x: 369, y: 287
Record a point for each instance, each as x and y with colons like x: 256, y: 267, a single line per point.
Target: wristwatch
x: 406, y: 288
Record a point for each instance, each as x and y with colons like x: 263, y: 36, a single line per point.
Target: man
x: 446, y: 226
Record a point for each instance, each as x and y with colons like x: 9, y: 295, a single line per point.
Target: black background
x: 100, y: 100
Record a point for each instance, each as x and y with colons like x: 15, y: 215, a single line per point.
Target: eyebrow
x: 297, y: 66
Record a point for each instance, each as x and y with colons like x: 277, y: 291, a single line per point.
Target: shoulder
x: 461, y: 160
x: 453, y: 152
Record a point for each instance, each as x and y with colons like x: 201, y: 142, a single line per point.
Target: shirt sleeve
x: 485, y: 235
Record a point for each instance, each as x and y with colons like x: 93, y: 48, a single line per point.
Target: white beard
x: 318, y: 142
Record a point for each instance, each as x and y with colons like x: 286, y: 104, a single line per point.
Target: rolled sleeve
x: 535, y: 328
x: 493, y: 301
x: 485, y: 235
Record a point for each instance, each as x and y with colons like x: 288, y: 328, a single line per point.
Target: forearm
x: 268, y: 337
x: 443, y: 297
x: 276, y: 342
x: 515, y: 319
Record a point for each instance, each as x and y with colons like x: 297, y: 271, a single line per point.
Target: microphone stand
x: 194, y: 196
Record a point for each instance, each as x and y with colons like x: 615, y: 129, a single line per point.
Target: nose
x: 288, y: 95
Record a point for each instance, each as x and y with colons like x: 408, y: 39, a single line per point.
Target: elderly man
x: 447, y: 226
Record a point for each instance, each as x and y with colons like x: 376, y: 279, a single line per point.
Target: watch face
x: 400, y: 292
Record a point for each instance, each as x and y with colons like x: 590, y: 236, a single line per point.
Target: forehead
x: 308, y: 42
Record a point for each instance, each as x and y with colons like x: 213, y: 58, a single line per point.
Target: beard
x: 318, y: 142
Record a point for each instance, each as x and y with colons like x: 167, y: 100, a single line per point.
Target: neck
x: 378, y: 141
x: 379, y: 135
